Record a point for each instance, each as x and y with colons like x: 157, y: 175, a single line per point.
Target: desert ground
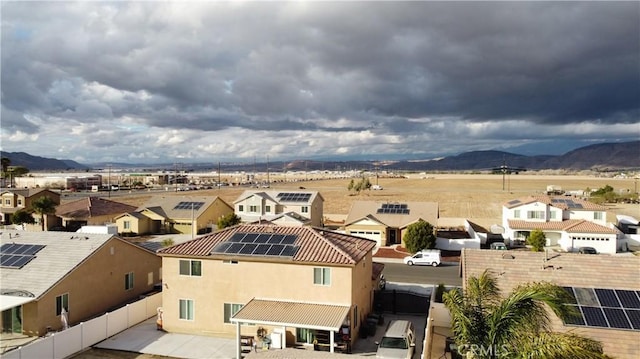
x: 477, y: 197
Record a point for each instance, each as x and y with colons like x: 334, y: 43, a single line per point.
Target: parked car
x: 587, y: 250
x: 429, y: 257
x: 498, y: 245
x: 398, y: 342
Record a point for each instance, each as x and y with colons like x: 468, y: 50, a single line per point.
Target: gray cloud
x: 199, y: 80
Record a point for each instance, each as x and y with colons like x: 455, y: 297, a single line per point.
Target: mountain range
x: 600, y: 157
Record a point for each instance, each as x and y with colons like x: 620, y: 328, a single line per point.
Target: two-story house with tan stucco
x: 303, y: 282
x: 85, y: 274
x: 254, y: 206
x: 385, y: 222
x: 568, y: 222
x: 174, y: 214
x: 14, y: 200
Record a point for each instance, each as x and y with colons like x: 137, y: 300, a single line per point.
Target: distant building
x: 14, y: 200
x: 252, y: 206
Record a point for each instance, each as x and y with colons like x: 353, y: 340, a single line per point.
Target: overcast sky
x: 147, y: 82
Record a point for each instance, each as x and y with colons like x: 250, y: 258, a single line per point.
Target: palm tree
x: 487, y: 325
x: 43, y: 206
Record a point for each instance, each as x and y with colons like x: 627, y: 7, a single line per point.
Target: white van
x: 430, y: 257
x: 398, y: 342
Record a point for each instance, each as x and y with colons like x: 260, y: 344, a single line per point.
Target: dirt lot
x: 476, y: 197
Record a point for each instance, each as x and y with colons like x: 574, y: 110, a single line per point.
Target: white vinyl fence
x: 63, y: 344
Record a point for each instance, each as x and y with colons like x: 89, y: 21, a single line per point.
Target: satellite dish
x: 497, y: 229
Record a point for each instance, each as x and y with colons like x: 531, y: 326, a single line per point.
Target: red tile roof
x: 92, y: 207
x: 315, y: 245
x: 570, y: 225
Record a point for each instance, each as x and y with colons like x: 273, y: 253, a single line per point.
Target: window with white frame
x: 253, y: 209
x: 535, y: 214
x: 322, y: 276
x: 598, y: 216
x: 127, y: 224
x: 552, y: 215
x: 304, y: 209
x: 128, y: 281
x: 240, y: 208
x: 267, y: 209
x: 186, y: 309
x: 516, y: 213
x: 191, y: 268
x: 62, y: 301
x: 230, y: 309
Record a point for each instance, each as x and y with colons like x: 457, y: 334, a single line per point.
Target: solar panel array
x: 293, y: 197
x: 605, y: 308
x: 259, y: 244
x: 13, y: 255
x: 392, y: 208
x: 189, y: 205
x: 568, y: 201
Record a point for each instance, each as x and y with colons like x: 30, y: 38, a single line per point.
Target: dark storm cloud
x: 412, y: 70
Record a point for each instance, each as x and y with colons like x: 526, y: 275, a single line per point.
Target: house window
x: 230, y: 309
x: 304, y: 209
x: 516, y: 213
x: 598, y: 216
x: 267, y: 209
x: 535, y: 215
x: 19, y: 202
x: 186, y: 309
x: 191, y: 268
x: 7, y: 202
x: 127, y: 224
x: 240, y: 208
x: 62, y: 301
x: 128, y: 281
x: 322, y: 276
x: 253, y: 208
x: 552, y: 215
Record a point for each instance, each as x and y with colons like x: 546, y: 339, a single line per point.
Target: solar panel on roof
x: 274, y: 238
x: 188, y: 205
x: 289, y: 239
x: 616, y: 318
x: 250, y: 237
x: 236, y: 237
x: 634, y: 317
x: 289, y: 251
x: 248, y: 248
x: 572, y: 299
x: 578, y: 319
x: 628, y: 298
x: 261, y: 249
x: 222, y: 247
x: 586, y: 296
x: 275, y: 250
x: 594, y: 317
x: 15, y: 261
x: 261, y: 239
x: 607, y: 297
x: 25, y: 249
x: 234, y: 248
x: 293, y: 197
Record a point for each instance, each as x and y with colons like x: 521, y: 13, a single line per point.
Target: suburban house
x: 385, y: 222
x: 253, y: 206
x: 92, y: 211
x: 606, y: 289
x: 174, y: 214
x: 84, y: 274
x: 14, y: 200
x: 567, y: 222
x: 302, y: 283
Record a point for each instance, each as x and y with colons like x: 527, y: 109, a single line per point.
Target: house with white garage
x: 255, y: 206
x: 567, y: 222
x: 385, y: 222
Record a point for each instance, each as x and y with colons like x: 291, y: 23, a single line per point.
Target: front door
x: 392, y: 236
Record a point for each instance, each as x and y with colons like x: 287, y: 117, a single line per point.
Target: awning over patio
x: 292, y: 314
x: 10, y: 301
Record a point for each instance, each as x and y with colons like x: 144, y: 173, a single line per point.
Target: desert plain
x: 477, y: 197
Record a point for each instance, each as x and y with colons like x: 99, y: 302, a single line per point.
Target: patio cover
x: 11, y: 301
x: 293, y: 314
